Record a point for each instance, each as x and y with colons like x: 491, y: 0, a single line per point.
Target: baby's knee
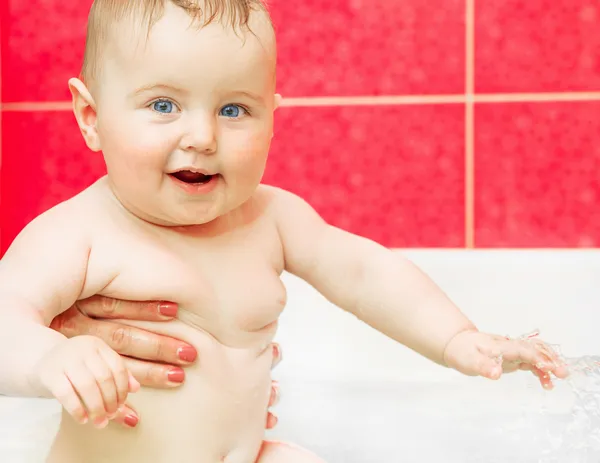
x: 283, y: 452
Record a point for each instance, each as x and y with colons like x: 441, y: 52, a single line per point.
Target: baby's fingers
x: 482, y: 363
x: 120, y: 376
x: 554, y: 363
x: 87, y: 388
x: 489, y: 362
x: 62, y: 389
x: 490, y: 367
x: 533, y: 353
x: 133, y: 383
x: 561, y: 371
x: 543, y: 376
x: 106, y: 382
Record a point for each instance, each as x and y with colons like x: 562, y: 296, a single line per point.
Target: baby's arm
x: 41, y: 275
x: 377, y: 285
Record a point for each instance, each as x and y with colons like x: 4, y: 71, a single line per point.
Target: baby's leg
x: 282, y: 452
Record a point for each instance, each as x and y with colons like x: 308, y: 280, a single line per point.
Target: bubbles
x: 532, y: 334
x: 574, y: 436
x: 578, y: 439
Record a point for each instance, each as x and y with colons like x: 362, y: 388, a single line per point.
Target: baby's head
x: 179, y: 96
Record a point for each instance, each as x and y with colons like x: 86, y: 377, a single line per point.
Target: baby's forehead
x: 191, y: 58
x: 177, y: 35
x: 134, y: 38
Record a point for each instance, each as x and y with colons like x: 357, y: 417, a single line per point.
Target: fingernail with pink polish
x: 187, y: 354
x: 168, y: 309
x: 176, y: 375
x: 131, y: 420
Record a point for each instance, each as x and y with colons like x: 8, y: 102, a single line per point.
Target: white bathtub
x: 351, y: 395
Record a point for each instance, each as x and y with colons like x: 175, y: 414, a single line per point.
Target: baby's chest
x: 219, y: 285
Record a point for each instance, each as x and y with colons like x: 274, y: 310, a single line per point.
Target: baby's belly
x: 217, y: 416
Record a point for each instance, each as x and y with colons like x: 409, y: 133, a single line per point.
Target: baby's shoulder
x: 68, y: 225
x: 266, y: 203
x: 78, y: 213
x: 271, y: 197
x: 278, y: 202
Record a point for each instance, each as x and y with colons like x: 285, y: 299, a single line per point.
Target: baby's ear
x: 278, y: 99
x: 84, y: 108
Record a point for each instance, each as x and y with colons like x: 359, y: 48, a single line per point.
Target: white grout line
x: 391, y: 100
x: 373, y: 100
x: 468, y: 96
x: 36, y: 106
x: 491, y: 249
x: 536, y: 97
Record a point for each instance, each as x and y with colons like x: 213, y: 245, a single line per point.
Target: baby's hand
x: 479, y: 354
x: 87, y: 377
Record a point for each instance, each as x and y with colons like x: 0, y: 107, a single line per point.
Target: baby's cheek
x: 252, y: 149
x: 135, y: 135
x: 138, y: 149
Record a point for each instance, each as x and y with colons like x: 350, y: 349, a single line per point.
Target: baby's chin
x: 182, y: 219
x: 173, y: 217
x: 176, y: 215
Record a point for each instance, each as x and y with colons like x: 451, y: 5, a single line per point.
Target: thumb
x: 488, y: 367
x: 478, y: 364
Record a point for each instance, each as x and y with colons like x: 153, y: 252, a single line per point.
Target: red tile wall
x: 376, y: 132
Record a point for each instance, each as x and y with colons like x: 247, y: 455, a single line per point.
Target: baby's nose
x: 201, y: 136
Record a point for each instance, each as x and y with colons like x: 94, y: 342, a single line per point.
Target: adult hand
x: 155, y: 360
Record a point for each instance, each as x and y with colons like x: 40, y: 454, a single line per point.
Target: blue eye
x: 163, y: 106
x: 232, y: 111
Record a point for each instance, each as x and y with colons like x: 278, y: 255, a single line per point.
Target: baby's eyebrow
x: 153, y: 87
x: 165, y: 87
x: 250, y: 95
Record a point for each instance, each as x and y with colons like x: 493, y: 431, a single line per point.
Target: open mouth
x: 192, y: 178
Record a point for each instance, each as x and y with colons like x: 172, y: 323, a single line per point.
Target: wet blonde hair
x: 104, y: 14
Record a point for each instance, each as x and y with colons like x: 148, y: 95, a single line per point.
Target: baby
x: 179, y: 96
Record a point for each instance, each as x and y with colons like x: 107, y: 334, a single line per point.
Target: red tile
x: 537, y: 168
x: 369, y: 170
x: 381, y: 47
x: 537, y: 45
x: 393, y: 174
x: 390, y: 47
x: 44, y: 161
x: 4, y: 22
x: 42, y: 48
